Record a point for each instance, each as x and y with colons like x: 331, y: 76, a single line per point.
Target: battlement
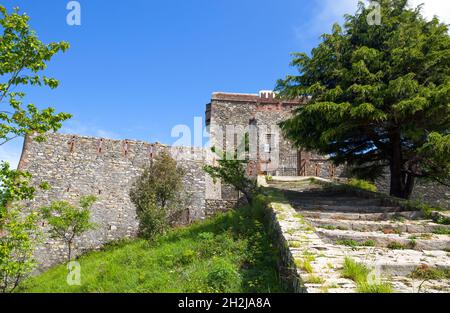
x: 264, y: 97
x: 95, y: 147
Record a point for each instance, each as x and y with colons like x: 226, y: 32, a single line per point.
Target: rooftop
x: 265, y: 96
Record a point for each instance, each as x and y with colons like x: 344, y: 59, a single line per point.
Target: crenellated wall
x: 76, y: 166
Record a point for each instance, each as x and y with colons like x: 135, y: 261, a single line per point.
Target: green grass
x: 354, y: 244
x: 425, y: 272
x: 229, y: 253
x: 396, y: 246
x: 442, y: 231
x: 362, y: 184
x: 304, y: 265
x: 355, y: 271
x: 375, y: 288
x: 315, y: 280
x: 359, y: 273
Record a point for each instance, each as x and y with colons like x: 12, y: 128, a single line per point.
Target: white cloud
x: 328, y: 12
x: 440, y: 8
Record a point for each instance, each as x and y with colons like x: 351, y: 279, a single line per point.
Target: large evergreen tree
x: 380, y: 96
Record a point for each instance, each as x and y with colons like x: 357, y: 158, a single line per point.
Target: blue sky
x: 137, y: 68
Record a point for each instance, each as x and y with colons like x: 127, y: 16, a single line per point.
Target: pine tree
x: 380, y: 96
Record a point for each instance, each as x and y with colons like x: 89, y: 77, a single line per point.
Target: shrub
x: 222, y: 277
x: 158, y: 196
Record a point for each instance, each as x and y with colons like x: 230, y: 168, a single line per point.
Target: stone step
x: 408, y: 215
x: 338, y: 202
x: 346, y: 208
x: 404, y: 241
x: 385, y: 262
x: 413, y: 227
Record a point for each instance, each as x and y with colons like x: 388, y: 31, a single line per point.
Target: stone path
x: 324, y: 227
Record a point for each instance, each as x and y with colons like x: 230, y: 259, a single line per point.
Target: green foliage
x: 232, y: 170
x: 397, y: 246
x: 14, y: 186
x: 68, y: 222
x: 373, y: 288
x: 222, y: 277
x: 360, y: 274
x: 304, y: 265
x: 18, y: 230
x: 231, y: 252
x: 18, y: 238
x: 440, y: 219
x: 379, y: 96
x: 158, y: 196
x: 22, y: 57
x: 362, y: 184
x: 355, y: 271
x: 425, y: 272
x: 354, y: 244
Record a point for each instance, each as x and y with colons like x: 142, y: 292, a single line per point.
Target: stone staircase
x: 393, y: 242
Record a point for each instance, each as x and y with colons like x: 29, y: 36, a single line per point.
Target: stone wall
x: 239, y: 110
x: 76, y: 166
x: 428, y: 192
x: 264, y: 112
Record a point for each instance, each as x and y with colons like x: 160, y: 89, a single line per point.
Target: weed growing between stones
x: 359, y: 273
x: 425, y: 272
x: 442, y: 231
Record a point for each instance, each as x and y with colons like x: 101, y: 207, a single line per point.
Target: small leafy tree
x: 22, y: 57
x: 18, y: 230
x: 14, y: 186
x: 158, y: 195
x: 380, y: 96
x: 233, y: 171
x: 67, y: 222
x: 18, y: 239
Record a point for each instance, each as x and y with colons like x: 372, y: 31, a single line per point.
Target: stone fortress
x: 76, y: 166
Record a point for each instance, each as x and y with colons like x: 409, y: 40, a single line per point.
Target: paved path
x: 393, y: 242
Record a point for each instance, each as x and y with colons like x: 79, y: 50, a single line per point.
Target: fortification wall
x: 431, y: 193
x: 76, y: 166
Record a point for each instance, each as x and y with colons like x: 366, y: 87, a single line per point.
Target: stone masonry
x: 76, y: 166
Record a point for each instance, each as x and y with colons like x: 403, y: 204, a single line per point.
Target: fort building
x: 76, y: 166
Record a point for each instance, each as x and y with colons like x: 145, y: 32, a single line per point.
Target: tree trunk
x: 397, y: 184
x: 409, y: 186
x: 402, y: 184
x: 69, y: 254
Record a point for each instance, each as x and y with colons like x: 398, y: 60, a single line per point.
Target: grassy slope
x: 229, y: 253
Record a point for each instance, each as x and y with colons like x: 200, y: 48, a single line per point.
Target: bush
x: 222, y: 277
x: 158, y: 197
